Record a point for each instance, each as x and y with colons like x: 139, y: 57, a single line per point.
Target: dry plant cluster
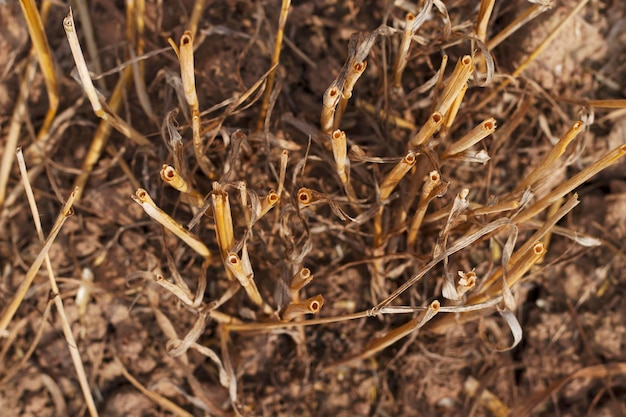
x: 293, y: 248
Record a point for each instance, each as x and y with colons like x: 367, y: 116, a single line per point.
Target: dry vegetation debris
x: 312, y: 208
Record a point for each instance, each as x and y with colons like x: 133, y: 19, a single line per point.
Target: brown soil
x: 570, y: 304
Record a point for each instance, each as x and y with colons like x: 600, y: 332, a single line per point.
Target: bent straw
x: 484, y: 14
x: 42, y: 50
x: 278, y: 43
x: 66, y: 211
x: 58, y: 301
x: 87, y: 84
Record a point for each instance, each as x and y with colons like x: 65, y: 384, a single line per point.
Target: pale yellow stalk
x: 142, y: 198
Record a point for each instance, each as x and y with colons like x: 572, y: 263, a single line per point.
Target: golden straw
x: 486, y: 128
x: 142, y: 198
x: 309, y: 306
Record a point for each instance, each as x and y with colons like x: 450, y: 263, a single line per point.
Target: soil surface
x: 149, y: 351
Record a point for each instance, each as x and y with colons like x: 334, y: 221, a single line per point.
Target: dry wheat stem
x: 480, y: 132
x: 15, y: 125
x: 171, y: 177
x: 606, y: 161
x: 461, y: 74
x: 377, y: 345
x: 81, y: 65
x: 533, y: 55
x: 461, y: 243
x: 382, y: 115
x: 539, y: 234
x: 432, y: 181
x: 427, y: 130
x: 101, y: 135
x: 484, y: 14
x: 142, y: 198
x: 246, y: 278
x: 542, y: 169
x: 352, y: 76
x: 299, y: 308
x: 65, y: 324
x: 20, y: 293
x: 411, y: 24
x: 528, y: 15
x: 278, y: 43
x: 223, y: 220
x: 42, y: 49
x: 454, y: 108
x: 196, y: 16
x: 93, y: 51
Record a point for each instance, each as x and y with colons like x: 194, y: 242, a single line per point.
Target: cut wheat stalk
x: 461, y: 243
x: 454, y: 108
x: 297, y: 309
x: 429, y: 191
x: 411, y: 24
x: 539, y: 234
x: 456, y: 82
x: 278, y: 44
x: 427, y: 130
x: 82, y: 6
x: 223, y: 220
x: 352, y: 76
x: 342, y: 163
x: 245, y: 276
x: 142, y: 198
x: 65, y: 324
x: 187, y: 72
x: 92, y: 95
x: 480, y: 132
x: 171, y: 177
